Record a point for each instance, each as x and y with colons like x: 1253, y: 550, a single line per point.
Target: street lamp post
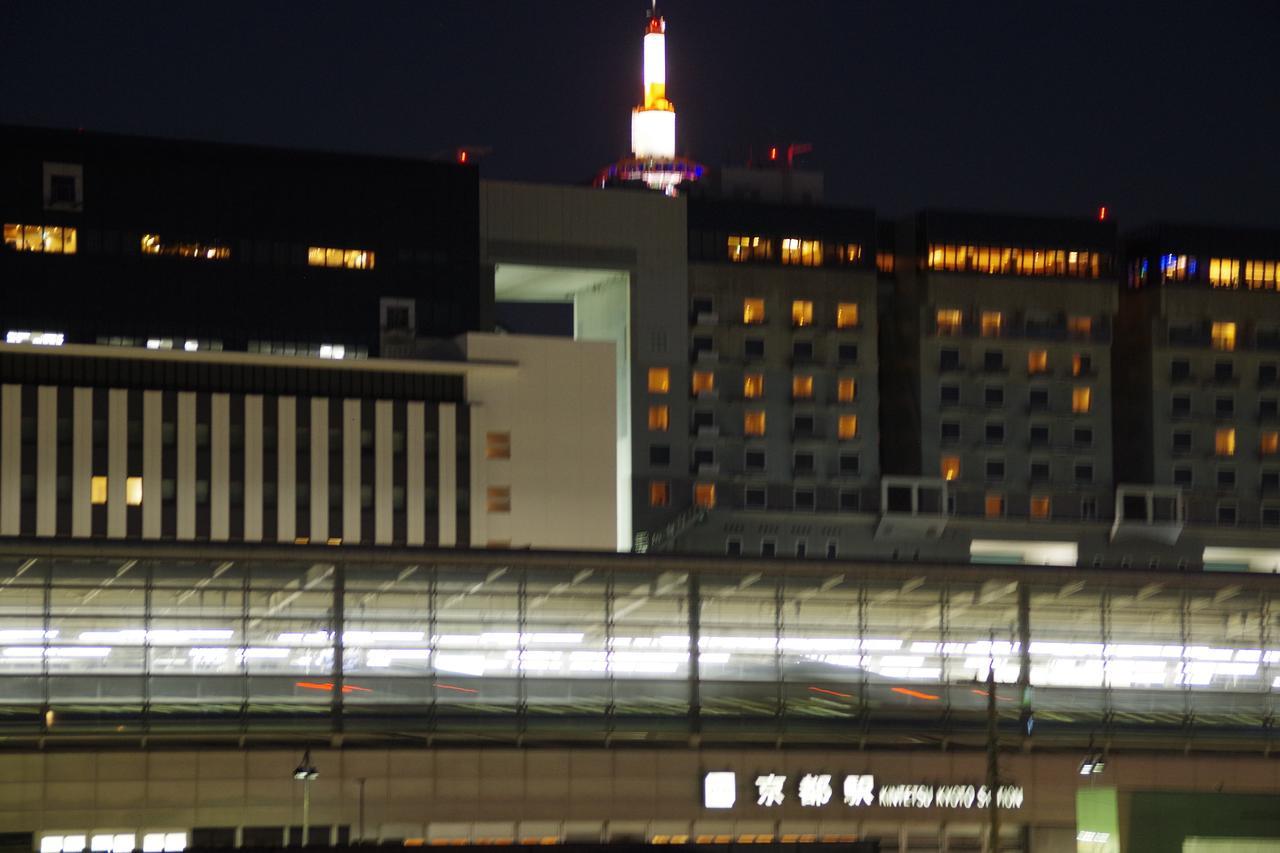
x: 306, y: 773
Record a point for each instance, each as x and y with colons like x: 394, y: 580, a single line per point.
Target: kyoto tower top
x: 653, y: 157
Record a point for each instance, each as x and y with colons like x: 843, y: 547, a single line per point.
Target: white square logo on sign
x: 720, y: 789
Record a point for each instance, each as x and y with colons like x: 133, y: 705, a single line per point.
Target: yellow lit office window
x: 54, y: 239
x: 950, y: 467
x: 133, y: 491
x: 753, y: 423
x: 994, y: 505
x: 746, y: 248
x: 659, y: 418
x: 752, y: 311
x: 659, y: 493
x: 1081, y: 399
x: 704, y: 382
x: 801, y: 313
x: 1224, y: 441
x: 1270, y: 443
x: 98, y: 490
x: 659, y: 380
x: 801, y: 387
x: 753, y: 386
x: 950, y: 321
x: 1077, y: 365
x: 1041, y: 506
x: 1080, y: 327
x: 846, y: 315
x: 1224, y: 272
x: 152, y: 244
x: 936, y: 257
x: 352, y: 259
x: 847, y: 427
x: 806, y: 253
x: 1261, y: 275
x: 1223, y: 336
x: 498, y: 499
x: 497, y: 445
x: 850, y: 253
x: 992, y: 324
x: 1037, y: 361
x: 704, y: 495
x: 846, y: 389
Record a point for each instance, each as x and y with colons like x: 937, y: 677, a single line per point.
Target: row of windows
x: 1037, y: 362
x: 753, y: 497
x: 769, y: 548
x: 753, y: 423
x: 796, y: 251
x: 1010, y: 260
x: 703, y: 382
x: 1223, y: 407
x: 58, y: 239
x: 753, y: 313
x: 1037, y: 398
x: 1224, y: 442
x: 1225, y: 478
x: 994, y: 432
x: 352, y: 259
x: 994, y: 470
x: 991, y: 324
x: 754, y: 460
x: 753, y: 349
x: 153, y: 245
x: 1259, y: 274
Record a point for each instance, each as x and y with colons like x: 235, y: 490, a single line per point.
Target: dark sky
x: 1159, y: 109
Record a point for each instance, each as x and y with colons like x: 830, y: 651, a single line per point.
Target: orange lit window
x: 659, y: 418
x: 753, y: 386
x: 885, y: 262
x: 1224, y: 441
x: 659, y: 493
x: 97, y: 490
x: 497, y: 445
x: 801, y: 313
x: 950, y: 321
x: 704, y: 382
x: 743, y: 248
x: 1224, y: 336
x: 807, y: 253
x: 57, y: 239
x: 992, y: 323
x: 801, y: 387
x: 1270, y: 443
x: 1224, y: 272
x: 847, y: 389
x: 320, y: 256
x: 151, y: 244
x: 950, y: 467
x: 659, y: 380
x: 1079, y: 365
x: 994, y: 505
x: 850, y: 253
x: 1037, y: 361
x: 1081, y: 398
x: 847, y: 427
x: 704, y: 495
x: 846, y: 315
x: 1080, y: 327
x: 498, y: 499
x: 753, y: 423
x: 1041, y: 506
x: 753, y: 311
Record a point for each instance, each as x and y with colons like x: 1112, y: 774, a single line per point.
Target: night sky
x: 1161, y: 110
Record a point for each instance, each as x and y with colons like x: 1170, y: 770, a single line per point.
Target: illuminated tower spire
x: 653, y: 122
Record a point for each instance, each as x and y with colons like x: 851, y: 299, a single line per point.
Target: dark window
x: 1266, y: 374
x: 660, y: 454
x: 995, y: 433
x: 1270, y: 515
x: 1271, y: 480
x: 1084, y: 365
x: 1226, y: 514
x: 704, y: 419
x: 1223, y: 371
x: 847, y: 353
x: 993, y: 396
x: 754, y: 460
x: 802, y: 549
x: 949, y: 359
x: 832, y: 550
x: 995, y: 469
x: 62, y: 189
x: 753, y: 348
x: 733, y: 547
x: 849, y: 502
x: 1084, y: 473
x: 849, y: 463
x: 1038, y: 399
x: 702, y: 305
x: 397, y: 316
x: 1179, y: 370
x: 1224, y: 407
x: 803, y: 425
x: 1182, y: 476
x: 950, y: 432
x: 1182, y: 442
x: 1226, y: 478
x: 804, y: 463
x: 950, y: 395
x: 1180, y: 406
x: 1088, y: 509
x: 753, y: 497
x: 1039, y: 471
x: 802, y: 350
x: 768, y: 548
x: 993, y: 360
x: 804, y: 499
x: 702, y: 343
x: 1082, y: 436
x: 703, y: 456
x: 1268, y: 408
x: 1039, y: 435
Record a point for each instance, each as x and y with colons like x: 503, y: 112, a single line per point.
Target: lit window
x: 352, y: 259
x: 1261, y: 275
x: 497, y: 445
x: 704, y: 495
x: 133, y: 491
x: 1080, y: 327
x: 749, y: 248
x: 659, y: 418
x: 994, y: 505
x: 659, y: 380
x: 1041, y: 506
x: 752, y: 311
x: 753, y: 386
x: 806, y: 253
x: 1081, y: 398
x: 801, y: 313
x: 950, y: 467
x: 659, y: 493
x: 153, y: 245
x: 992, y: 323
x: 847, y: 427
x: 704, y: 382
x: 498, y: 498
x: 1270, y: 443
x: 1224, y: 272
x: 846, y: 315
x: 1224, y: 441
x: 846, y: 389
x: 1224, y: 336
x: 55, y: 239
x: 1037, y: 361
x: 885, y: 262
x: 949, y: 321
x: 1081, y: 364
x: 753, y: 423
x: 801, y: 387
x: 98, y: 490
